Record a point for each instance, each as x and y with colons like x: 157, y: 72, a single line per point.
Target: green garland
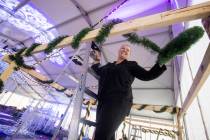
x: 53, y: 44
x: 148, y: 44
x: 50, y: 82
x: 61, y: 90
x: 131, y: 37
x: 180, y: 44
x: 174, y: 110
x: 30, y: 49
x: 18, y: 54
x: 105, y: 30
x: 142, y: 107
x: 163, y: 109
x: 77, y: 38
x: 18, y: 59
x: 45, y: 82
x: 1, y: 85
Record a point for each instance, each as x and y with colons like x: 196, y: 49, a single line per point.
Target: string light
x: 111, y: 12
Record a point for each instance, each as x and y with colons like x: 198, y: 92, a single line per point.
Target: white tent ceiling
x: 67, y: 19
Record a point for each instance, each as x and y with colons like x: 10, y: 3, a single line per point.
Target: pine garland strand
x: 105, y: 31
x: 77, y: 38
x: 45, y: 82
x: 53, y: 44
x: 18, y: 54
x: 142, y: 107
x: 163, y: 109
x: 1, y: 86
x: 174, y: 110
x: 180, y: 44
x: 61, y: 90
x: 30, y: 49
x: 18, y: 59
x: 148, y: 44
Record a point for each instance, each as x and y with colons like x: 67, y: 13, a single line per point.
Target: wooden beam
x: 39, y: 76
x: 5, y: 75
x: 200, y: 78
x: 148, y: 22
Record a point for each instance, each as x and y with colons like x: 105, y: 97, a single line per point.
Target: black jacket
x: 116, y: 79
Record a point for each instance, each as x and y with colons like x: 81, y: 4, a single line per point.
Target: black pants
x: 110, y: 114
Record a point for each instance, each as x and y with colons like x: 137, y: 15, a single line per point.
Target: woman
x: 115, y: 92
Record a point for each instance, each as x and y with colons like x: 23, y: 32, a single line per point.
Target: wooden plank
x: 33, y: 73
x: 39, y: 76
x: 200, y: 78
x: 148, y: 22
x: 180, y: 128
x: 5, y: 75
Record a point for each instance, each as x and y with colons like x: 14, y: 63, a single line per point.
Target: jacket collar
x: 124, y: 61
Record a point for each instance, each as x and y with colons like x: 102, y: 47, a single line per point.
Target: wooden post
x: 180, y: 128
x: 200, y: 78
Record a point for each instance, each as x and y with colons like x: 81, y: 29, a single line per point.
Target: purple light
x: 134, y: 7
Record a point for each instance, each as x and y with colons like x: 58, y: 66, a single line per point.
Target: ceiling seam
x: 83, y: 12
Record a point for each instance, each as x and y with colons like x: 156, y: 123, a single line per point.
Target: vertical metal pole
x: 61, y: 121
x: 74, y: 125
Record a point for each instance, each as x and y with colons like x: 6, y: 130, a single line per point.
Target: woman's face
x: 124, y: 52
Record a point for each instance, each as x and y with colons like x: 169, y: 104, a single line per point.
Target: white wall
x: 197, y: 116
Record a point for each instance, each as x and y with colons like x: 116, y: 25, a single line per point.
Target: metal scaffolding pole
x: 61, y: 121
x: 78, y: 100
